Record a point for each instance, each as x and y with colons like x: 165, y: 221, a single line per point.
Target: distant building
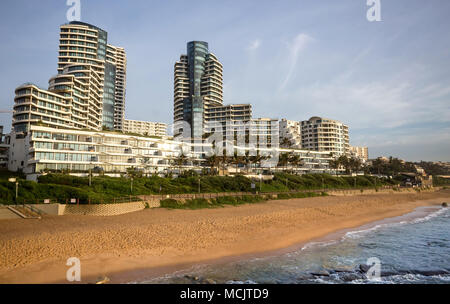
x: 325, y: 135
x: 145, y: 128
x: 360, y: 152
x: 198, y: 93
x: 291, y: 131
x: 4, y: 148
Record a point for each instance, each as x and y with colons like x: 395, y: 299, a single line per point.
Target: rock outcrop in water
x: 444, y: 204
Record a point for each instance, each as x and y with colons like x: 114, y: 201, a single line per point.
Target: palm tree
x: 224, y: 160
x: 236, y: 160
x: 334, y: 164
x: 285, y: 143
x: 284, y: 160
x: 213, y: 162
x: 345, y: 162
x: 180, y: 161
x: 295, y: 160
x: 256, y: 159
x: 247, y: 160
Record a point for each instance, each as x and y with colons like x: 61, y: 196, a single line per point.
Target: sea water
x: 412, y: 250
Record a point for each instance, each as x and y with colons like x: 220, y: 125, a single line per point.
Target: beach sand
x: 154, y: 242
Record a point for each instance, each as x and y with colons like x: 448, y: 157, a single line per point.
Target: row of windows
x: 66, y: 30
x: 66, y: 157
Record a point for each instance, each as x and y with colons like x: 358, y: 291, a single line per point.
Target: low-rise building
x: 45, y: 149
x: 146, y: 128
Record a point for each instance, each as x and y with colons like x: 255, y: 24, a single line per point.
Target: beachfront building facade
x: 325, y: 135
x: 4, y: 149
x: 361, y: 153
x: 146, y: 128
x: 117, y: 56
x: 49, y: 149
x: 198, y: 93
x: 290, y: 134
x: 45, y: 149
x: 83, y: 93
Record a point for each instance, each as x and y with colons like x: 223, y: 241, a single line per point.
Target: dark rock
x: 364, y: 268
x: 305, y: 277
x: 321, y: 273
x: 209, y: 281
x: 429, y: 273
x: 351, y: 276
x: 445, y: 205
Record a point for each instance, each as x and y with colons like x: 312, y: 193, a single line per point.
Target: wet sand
x: 154, y: 242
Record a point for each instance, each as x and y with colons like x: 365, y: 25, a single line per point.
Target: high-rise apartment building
x: 117, y: 56
x: 325, y: 135
x: 198, y: 91
x: 86, y: 90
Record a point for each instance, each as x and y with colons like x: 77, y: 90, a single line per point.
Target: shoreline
x: 335, y: 236
x: 299, y: 221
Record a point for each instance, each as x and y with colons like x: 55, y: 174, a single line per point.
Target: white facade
x: 360, y: 152
x: 291, y: 131
x: 325, y: 135
x: 48, y: 149
x: 83, y: 95
x: 146, y: 128
x: 4, y: 149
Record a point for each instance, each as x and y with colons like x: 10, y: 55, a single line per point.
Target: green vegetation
x: 392, y: 167
x: 106, y: 189
x: 440, y: 181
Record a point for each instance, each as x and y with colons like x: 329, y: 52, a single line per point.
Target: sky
x: 388, y: 80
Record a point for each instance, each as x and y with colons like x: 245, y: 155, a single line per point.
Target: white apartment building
x: 325, y: 135
x: 86, y: 92
x: 291, y: 131
x: 49, y: 149
x: 146, y: 128
x: 4, y: 149
x: 45, y: 149
x: 360, y: 152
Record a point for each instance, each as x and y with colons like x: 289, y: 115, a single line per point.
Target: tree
x: 247, y: 160
x: 180, y: 161
x: 334, y: 164
x: 236, y: 160
x: 345, y: 162
x: 285, y: 143
x: 295, y: 160
x: 256, y: 159
x: 212, y: 161
x: 284, y: 160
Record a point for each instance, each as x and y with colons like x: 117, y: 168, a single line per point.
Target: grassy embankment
x: 107, y: 189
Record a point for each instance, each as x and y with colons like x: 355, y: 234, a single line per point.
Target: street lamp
x: 14, y: 180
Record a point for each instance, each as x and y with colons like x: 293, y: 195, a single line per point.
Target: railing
x: 185, y: 196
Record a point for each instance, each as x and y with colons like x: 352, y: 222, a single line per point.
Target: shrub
x: 170, y: 203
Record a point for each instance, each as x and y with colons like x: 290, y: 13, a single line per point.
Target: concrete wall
x: 51, y: 209
x: 95, y: 210
x: 380, y: 191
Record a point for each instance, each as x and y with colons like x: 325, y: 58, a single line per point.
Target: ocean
x: 410, y: 249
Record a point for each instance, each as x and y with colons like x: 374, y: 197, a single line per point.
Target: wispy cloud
x: 254, y: 45
x: 295, y: 47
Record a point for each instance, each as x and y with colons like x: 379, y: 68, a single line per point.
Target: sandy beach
x: 154, y: 242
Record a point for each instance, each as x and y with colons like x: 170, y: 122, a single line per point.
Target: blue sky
x: 389, y: 80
